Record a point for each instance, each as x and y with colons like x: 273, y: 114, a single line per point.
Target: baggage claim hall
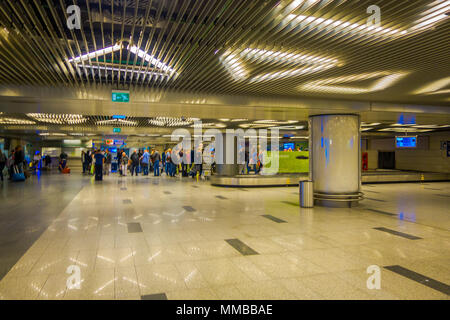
x: 225, y: 150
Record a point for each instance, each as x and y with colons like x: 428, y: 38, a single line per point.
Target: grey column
x: 335, y: 159
x: 228, y: 153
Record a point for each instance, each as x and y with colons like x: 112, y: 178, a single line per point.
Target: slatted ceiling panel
x: 191, y: 36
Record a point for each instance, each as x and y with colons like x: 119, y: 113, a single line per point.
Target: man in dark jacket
x: 134, y: 162
x: 19, y: 157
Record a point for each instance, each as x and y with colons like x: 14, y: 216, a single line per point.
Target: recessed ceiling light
x: 329, y: 84
x: 8, y: 120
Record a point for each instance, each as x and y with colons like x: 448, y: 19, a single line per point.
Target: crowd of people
x: 143, y: 161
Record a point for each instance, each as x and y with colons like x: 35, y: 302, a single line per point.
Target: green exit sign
x: 116, y: 130
x: 120, y: 96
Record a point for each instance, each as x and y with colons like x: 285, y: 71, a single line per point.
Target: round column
x: 335, y: 159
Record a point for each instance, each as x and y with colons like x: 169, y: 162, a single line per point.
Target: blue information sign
x: 406, y: 142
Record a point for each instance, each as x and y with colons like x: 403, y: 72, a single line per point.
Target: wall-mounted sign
x: 120, y: 96
x: 118, y: 142
x: 109, y: 142
x: 117, y: 130
x: 406, y: 142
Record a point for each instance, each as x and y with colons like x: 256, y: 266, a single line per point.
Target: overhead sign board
x: 120, y: 96
x: 406, y: 142
x: 117, y: 130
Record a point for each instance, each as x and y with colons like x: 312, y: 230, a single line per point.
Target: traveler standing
x: 156, y: 160
x: 145, y: 159
x: 2, y: 164
x: 83, y: 155
x: 108, y: 160
x: 168, y: 167
x: 140, y: 153
x: 62, y: 161
x: 99, y: 160
x: 124, y: 164
x: 19, y: 158
x: 163, y: 161
x: 134, y: 162
x: 183, y: 164
x: 119, y: 161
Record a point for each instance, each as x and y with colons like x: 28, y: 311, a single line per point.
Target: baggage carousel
x: 288, y: 180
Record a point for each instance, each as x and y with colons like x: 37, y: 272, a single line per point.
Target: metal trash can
x: 306, y: 194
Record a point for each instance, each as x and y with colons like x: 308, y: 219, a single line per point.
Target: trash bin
x: 306, y: 194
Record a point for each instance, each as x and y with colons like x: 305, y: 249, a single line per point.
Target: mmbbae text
x: 228, y: 309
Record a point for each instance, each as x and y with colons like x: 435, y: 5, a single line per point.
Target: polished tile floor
x: 147, y: 237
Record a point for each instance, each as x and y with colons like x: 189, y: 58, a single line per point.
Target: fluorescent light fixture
x: 170, y: 122
x: 335, y: 26
x: 72, y: 141
x: 430, y: 18
x: 276, y: 121
x: 209, y: 125
x: 152, y: 60
x: 401, y: 124
x: 435, y: 87
x: 285, y: 57
x: 7, y: 120
x: 405, y: 130
x: 256, y: 125
x: 363, y: 124
x: 238, y: 120
x: 58, y: 118
x: 117, y: 122
x: 290, y: 127
x: 56, y: 134
x: 426, y: 126
x: 97, y: 53
x: 152, y: 73
x: 328, y: 85
x: 234, y: 66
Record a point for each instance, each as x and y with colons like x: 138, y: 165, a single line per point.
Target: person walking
x: 134, y: 162
x: 2, y: 163
x: 108, y: 160
x: 124, y: 164
x: 168, y: 167
x: 156, y: 160
x: 99, y: 159
x: 145, y: 159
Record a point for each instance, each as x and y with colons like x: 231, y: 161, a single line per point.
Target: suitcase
x: 17, y: 176
x: 66, y: 170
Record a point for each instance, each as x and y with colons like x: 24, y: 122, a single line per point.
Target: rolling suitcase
x: 17, y: 176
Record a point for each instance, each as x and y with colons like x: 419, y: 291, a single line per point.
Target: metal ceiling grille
x: 262, y: 47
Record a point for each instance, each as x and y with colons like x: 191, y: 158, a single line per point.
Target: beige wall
x: 431, y: 160
x: 427, y: 157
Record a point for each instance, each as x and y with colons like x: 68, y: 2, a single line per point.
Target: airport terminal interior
x: 225, y: 150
